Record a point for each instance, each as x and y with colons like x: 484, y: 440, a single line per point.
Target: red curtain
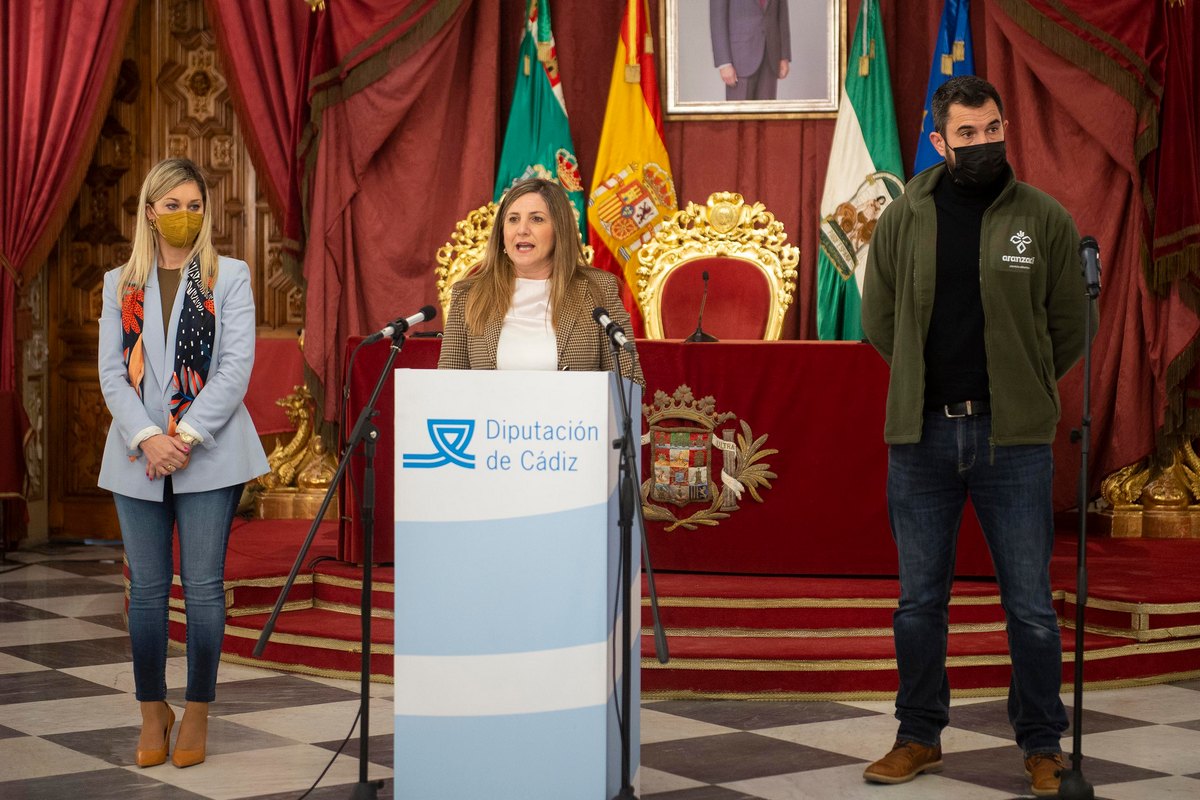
x: 1088, y: 147
x: 58, y: 64
x: 1087, y: 89
x: 264, y: 46
x: 383, y: 189
x: 391, y: 160
x: 374, y: 143
x: 1173, y: 172
x: 373, y: 146
x: 1175, y: 169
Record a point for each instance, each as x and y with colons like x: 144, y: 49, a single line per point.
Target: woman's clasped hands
x: 165, y: 455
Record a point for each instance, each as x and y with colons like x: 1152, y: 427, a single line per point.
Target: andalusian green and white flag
x: 865, y: 175
x: 538, y: 140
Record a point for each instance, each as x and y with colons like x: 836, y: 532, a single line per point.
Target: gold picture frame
x: 693, y: 86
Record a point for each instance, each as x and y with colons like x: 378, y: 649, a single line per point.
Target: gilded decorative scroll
x: 1155, y: 499
x: 465, y: 250
x: 301, y: 470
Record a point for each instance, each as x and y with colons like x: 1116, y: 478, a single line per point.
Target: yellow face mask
x: 180, y: 228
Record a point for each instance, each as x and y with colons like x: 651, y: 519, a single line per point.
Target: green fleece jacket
x: 1032, y: 288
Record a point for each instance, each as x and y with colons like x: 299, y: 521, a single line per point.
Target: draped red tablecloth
x: 820, y: 404
x: 278, y: 370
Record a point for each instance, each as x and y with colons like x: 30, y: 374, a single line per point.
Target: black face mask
x: 978, y: 164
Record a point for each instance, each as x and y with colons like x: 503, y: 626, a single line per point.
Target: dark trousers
x: 761, y: 85
x: 1010, y: 487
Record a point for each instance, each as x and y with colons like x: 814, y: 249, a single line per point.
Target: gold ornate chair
x: 457, y: 258
x: 751, y: 269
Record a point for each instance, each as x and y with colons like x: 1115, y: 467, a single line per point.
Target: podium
x: 506, y: 565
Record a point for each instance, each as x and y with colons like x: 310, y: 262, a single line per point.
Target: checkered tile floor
x: 69, y: 724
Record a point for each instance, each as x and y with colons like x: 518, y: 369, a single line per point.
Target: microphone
x: 1089, y: 254
x: 699, y: 335
x: 612, y: 329
x: 401, y: 325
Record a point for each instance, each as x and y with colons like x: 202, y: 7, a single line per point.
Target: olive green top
x: 1034, y: 308
x: 168, y: 286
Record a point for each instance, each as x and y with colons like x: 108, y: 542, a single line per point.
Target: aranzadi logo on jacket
x: 1020, y: 242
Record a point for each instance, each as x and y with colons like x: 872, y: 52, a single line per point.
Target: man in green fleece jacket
x: 975, y: 297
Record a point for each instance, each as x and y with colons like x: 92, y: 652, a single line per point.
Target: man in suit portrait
x: 752, y: 46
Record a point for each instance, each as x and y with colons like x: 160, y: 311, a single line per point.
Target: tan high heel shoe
x: 188, y: 758
x: 182, y: 757
x: 152, y: 758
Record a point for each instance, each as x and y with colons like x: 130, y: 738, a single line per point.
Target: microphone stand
x: 629, y: 507
x: 1073, y: 786
x: 699, y: 335
x: 366, y: 433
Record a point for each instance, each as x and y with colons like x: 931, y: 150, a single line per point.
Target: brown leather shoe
x: 906, y: 761
x: 1044, y: 771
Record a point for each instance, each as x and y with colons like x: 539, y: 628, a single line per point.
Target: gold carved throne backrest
x: 743, y: 249
x: 458, y: 257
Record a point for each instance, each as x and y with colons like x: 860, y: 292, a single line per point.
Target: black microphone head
x: 704, y: 275
x: 1089, y: 242
x: 428, y: 312
x: 598, y: 312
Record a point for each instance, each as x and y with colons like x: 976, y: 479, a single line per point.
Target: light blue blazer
x: 231, y: 452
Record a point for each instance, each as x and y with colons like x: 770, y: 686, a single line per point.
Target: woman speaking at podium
x: 529, y: 304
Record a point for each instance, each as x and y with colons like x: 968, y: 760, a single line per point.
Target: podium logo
x: 450, y: 438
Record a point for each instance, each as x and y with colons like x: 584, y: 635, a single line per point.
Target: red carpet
x: 319, y: 631
x: 751, y: 636
x: 818, y: 638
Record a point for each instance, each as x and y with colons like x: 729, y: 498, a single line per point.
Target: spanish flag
x: 632, y: 191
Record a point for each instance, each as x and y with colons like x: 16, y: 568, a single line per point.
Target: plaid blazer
x: 582, y: 345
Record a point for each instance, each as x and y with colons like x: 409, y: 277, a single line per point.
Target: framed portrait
x: 752, y: 59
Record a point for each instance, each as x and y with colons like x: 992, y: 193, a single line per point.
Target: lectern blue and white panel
x: 506, y: 576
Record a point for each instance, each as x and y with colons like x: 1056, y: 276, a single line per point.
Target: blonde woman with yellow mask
x: 175, y: 353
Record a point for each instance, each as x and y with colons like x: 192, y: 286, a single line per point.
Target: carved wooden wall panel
x: 171, y: 100
x: 35, y: 357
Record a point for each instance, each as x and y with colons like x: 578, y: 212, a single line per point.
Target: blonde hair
x: 492, y: 284
x: 161, y: 179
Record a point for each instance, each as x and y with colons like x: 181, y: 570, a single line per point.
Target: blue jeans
x: 1010, y: 487
x: 204, y: 519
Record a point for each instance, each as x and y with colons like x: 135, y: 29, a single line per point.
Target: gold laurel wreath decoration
x: 753, y: 475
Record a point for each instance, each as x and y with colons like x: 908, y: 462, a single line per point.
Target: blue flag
x: 951, y: 56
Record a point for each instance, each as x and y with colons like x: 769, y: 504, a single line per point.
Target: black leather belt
x: 967, y: 408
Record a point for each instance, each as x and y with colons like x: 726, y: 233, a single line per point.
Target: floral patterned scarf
x: 193, y: 342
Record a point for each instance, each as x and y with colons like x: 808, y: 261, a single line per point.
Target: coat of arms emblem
x: 684, y: 432
x: 631, y: 203
x: 846, y: 233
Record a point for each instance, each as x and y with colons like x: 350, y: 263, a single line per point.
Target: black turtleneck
x: 955, y: 357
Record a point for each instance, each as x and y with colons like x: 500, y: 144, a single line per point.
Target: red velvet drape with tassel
x: 263, y: 46
x: 58, y: 65
x: 399, y: 142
